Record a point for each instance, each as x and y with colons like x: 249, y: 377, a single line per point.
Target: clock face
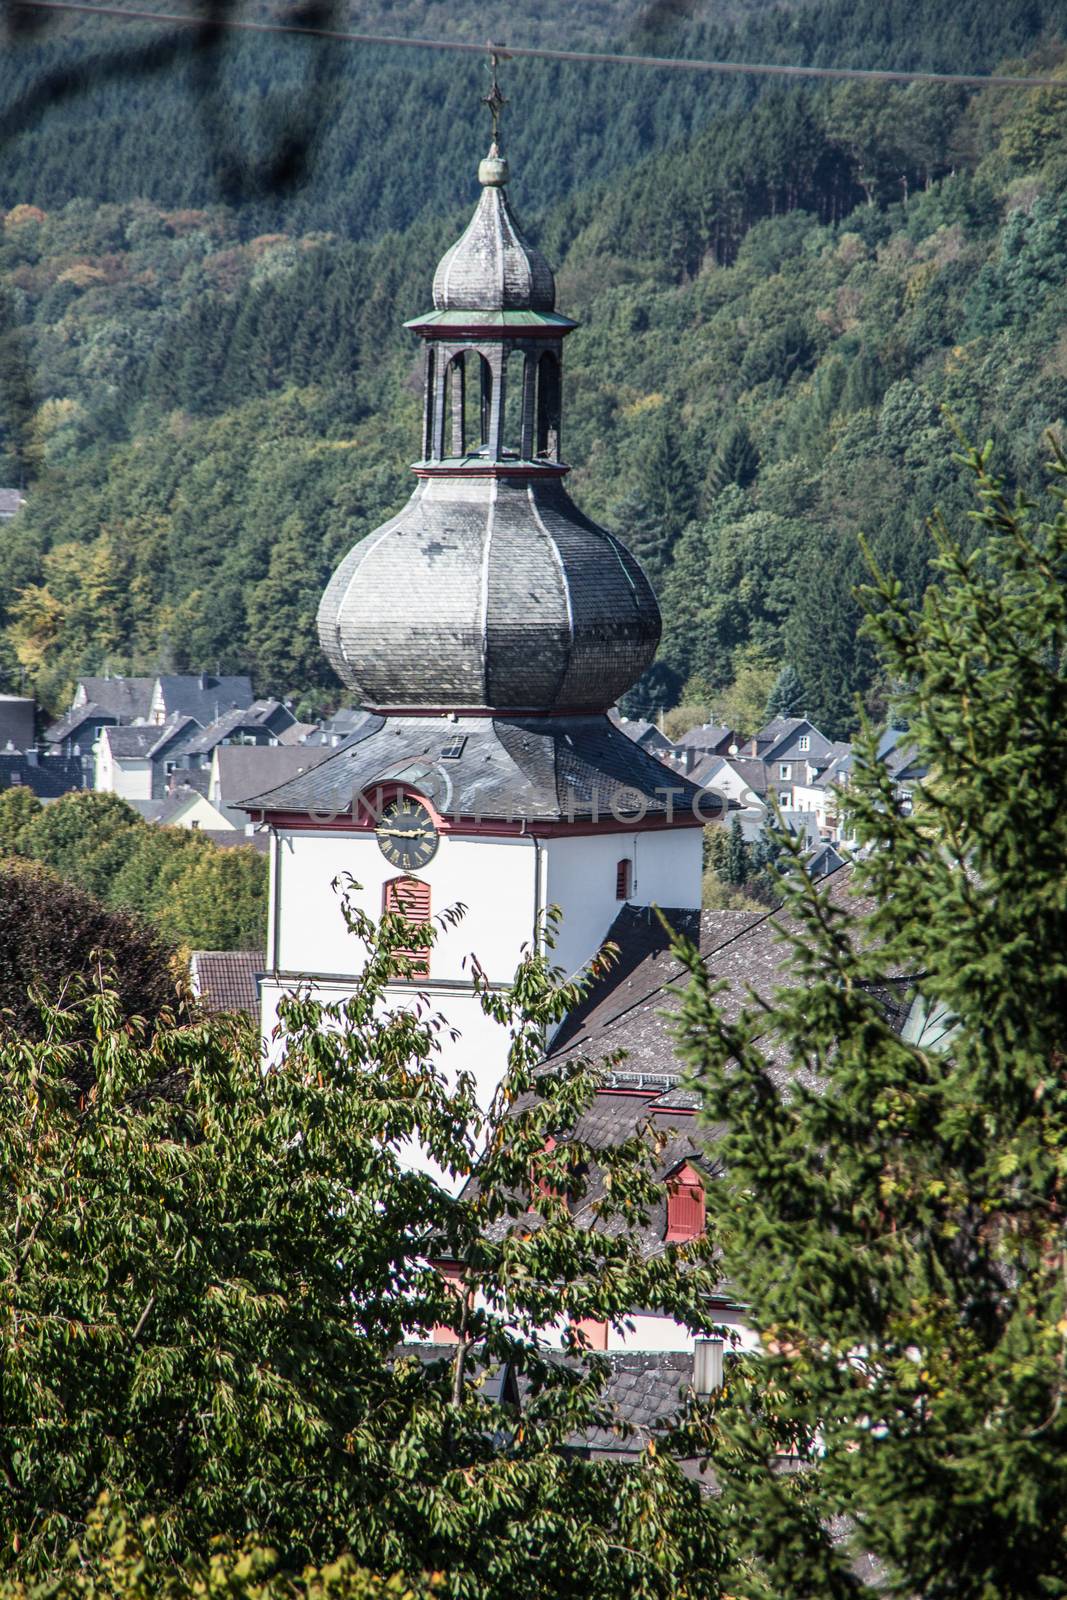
x: 406, y: 834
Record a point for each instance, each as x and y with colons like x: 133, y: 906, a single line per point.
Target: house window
x: 410, y: 899
x: 804, y: 742
x: 785, y: 771
x: 194, y: 824
x: 785, y: 799
x: 685, y: 1205
x: 624, y: 879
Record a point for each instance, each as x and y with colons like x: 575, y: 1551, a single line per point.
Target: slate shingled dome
x: 492, y: 267
x: 490, y: 591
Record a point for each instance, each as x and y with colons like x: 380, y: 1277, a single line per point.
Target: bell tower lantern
x: 486, y: 630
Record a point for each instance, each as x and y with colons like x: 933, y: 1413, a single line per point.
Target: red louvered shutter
x: 410, y: 899
x: 685, y: 1206
x: 623, y: 873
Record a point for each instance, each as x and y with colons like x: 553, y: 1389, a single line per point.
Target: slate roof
x: 643, y: 733
x: 46, y: 776
x: 643, y: 1392
x: 749, y: 955
x: 533, y: 768
x: 10, y: 501
x: 145, y: 740
x: 69, y: 725
x: 255, y: 718
x: 709, y: 736
x: 127, y: 698
x: 492, y: 266
x: 245, y: 769
x: 489, y: 592
x: 203, y: 696
x: 225, y: 980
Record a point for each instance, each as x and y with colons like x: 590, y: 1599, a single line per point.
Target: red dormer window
x: 541, y: 1188
x: 409, y: 898
x: 685, y: 1205
x: 624, y: 879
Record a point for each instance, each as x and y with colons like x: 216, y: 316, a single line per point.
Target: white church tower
x: 486, y: 629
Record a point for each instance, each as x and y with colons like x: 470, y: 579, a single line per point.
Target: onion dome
x: 490, y: 592
x: 492, y: 267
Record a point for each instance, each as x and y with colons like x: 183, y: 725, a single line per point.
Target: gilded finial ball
x: 493, y: 170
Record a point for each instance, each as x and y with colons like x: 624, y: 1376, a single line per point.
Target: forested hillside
x: 779, y: 291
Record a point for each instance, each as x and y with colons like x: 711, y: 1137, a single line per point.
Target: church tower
x: 486, y: 629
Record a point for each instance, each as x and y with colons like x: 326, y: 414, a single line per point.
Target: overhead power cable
x: 532, y: 52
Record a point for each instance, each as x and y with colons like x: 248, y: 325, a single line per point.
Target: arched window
x: 514, y: 385
x: 624, y: 879
x: 548, y: 406
x: 685, y: 1205
x: 455, y: 443
x: 410, y: 899
x: 427, y: 410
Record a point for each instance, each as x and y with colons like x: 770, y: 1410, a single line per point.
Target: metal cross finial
x: 495, y: 98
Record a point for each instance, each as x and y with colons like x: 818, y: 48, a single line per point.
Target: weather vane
x: 495, y: 98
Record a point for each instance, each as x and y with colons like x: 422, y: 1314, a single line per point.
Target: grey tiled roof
x: 48, y: 777
x: 644, y: 961
x: 254, y: 718
x: 750, y: 957
x: 127, y: 698
x: 146, y: 740
x: 246, y: 769
x: 643, y: 1394
x: 10, y: 501
x: 534, y: 768
x: 708, y: 736
x: 226, y: 980
x: 490, y: 592
x: 492, y: 266
x: 68, y: 726
x: 203, y: 696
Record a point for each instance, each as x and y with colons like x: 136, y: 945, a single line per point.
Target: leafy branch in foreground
x: 893, y: 1202
x: 205, y: 1292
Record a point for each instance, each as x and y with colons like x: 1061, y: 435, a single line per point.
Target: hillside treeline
x: 778, y: 309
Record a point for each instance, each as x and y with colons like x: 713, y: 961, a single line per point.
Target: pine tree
x: 786, y: 699
x: 892, y: 1209
x: 736, y: 461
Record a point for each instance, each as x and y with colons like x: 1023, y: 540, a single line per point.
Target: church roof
x: 493, y: 266
x: 493, y: 593
x: 537, y: 768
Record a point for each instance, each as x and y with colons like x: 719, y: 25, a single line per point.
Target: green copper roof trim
x: 491, y: 319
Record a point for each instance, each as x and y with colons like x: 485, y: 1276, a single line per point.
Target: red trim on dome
x: 489, y: 827
x: 492, y: 330
x: 502, y: 713
x: 490, y: 469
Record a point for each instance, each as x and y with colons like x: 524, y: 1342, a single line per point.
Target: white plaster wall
x: 581, y: 881
x: 198, y: 812
x: 130, y: 779
x: 480, y: 1046
x: 493, y: 878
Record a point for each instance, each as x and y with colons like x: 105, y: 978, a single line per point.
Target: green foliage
x: 53, y: 934
x: 19, y: 806
x: 225, y: 399
x: 112, y: 1563
x: 204, y: 1294
x: 891, y: 1209
x: 198, y: 893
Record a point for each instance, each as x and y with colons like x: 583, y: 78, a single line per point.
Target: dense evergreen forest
x: 780, y: 289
